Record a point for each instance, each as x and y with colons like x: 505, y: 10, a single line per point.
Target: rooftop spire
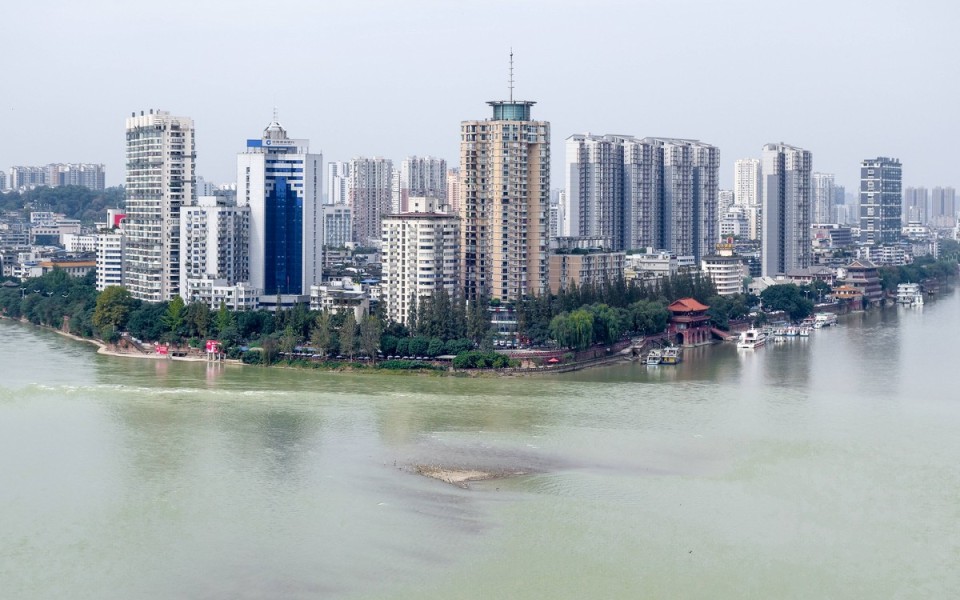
x: 511, y: 73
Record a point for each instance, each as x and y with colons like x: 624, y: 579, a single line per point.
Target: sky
x: 846, y: 80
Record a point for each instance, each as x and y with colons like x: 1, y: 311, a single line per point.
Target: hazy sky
x: 846, y: 80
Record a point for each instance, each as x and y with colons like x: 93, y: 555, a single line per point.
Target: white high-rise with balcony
x: 420, y: 256
x: 338, y: 182
x: 159, y: 182
x: 747, y: 173
x: 823, y: 197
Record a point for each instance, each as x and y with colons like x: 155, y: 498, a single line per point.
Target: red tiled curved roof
x: 686, y: 305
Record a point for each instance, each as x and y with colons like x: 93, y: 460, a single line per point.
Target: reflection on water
x: 824, y: 465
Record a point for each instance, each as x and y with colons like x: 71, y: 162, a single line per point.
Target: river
x: 826, y: 467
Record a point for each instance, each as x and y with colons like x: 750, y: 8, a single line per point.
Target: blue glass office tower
x: 281, y: 182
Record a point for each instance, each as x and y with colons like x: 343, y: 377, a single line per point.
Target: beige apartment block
x: 505, y: 203
x: 594, y: 268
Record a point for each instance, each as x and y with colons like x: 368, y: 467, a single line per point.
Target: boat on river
x: 752, y: 338
x: 909, y: 294
x: 654, y: 357
x: 824, y: 319
x: 672, y: 355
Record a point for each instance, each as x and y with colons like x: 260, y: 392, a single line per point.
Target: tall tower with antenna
x: 505, y: 201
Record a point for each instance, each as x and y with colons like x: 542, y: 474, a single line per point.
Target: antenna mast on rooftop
x: 511, y: 74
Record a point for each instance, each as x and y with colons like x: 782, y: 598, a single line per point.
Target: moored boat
x: 654, y: 357
x: 824, y: 319
x: 909, y: 294
x: 671, y: 356
x: 752, y: 338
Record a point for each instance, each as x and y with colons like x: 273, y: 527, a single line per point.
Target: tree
x: 370, y: 330
x: 573, y: 330
x: 197, y: 319
x: 788, y: 298
x: 224, y: 317
x: 174, y: 317
x: 478, y: 320
x: 418, y: 345
x: 113, y: 307
x: 322, y: 334
x: 348, y: 335
x: 648, y: 317
x: 288, y: 341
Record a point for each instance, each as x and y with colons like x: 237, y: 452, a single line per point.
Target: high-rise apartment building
x: 159, y: 181
x: 90, y: 176
x: 636, y: 193
x: 86, y: 175
x: 881, y: 200
x: 943, y: 206
x: 109, y: 259
x: 453, y: 191
x: 786, y: 209
x: 505, y: 209
x: 423, y: 176
x: 337, y: 226
x: 370, y: 197
x: 420, y: 256
x: 747, y: 173
x: 338, y: 182
x: 916, y: 202
x: 670, y: 195
x: 824, y: 193
x: 725, y: 201
x: 26, y: 178
x: 281, y: 182
x: 215, y: 241
x: 594, y: 199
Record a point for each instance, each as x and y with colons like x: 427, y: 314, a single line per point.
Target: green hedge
x: 406, y: 365
x: 479, y: 359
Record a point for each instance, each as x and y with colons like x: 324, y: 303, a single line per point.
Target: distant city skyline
x: 346, y: 112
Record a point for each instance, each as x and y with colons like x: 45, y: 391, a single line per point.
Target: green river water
x: 826, y: 467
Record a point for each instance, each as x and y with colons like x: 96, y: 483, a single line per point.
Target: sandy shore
x: 461, y: 477
x: 107, y: 350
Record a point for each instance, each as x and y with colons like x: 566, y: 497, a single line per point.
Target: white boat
x: 654, y: 357
x: 804, y: 331
x: 751, y: 339
x: 824, y: 320
x: 909, y: 294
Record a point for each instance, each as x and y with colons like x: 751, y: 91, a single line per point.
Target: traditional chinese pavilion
x: 689, y: 323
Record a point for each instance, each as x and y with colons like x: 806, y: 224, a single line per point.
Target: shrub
x: 406, y: 365
x: 479, y: 359
x: 252, y: 357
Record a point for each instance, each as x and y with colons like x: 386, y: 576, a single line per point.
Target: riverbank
x: 112, y: 350
x: 607, y: 360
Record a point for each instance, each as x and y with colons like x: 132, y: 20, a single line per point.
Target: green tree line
x: 73, y: 201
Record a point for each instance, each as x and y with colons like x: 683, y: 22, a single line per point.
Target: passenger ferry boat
x: 752, y: 338
x: 824, y: 320
x: 671, y: 356
x: 654, y: 357
x: 909, y: 294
